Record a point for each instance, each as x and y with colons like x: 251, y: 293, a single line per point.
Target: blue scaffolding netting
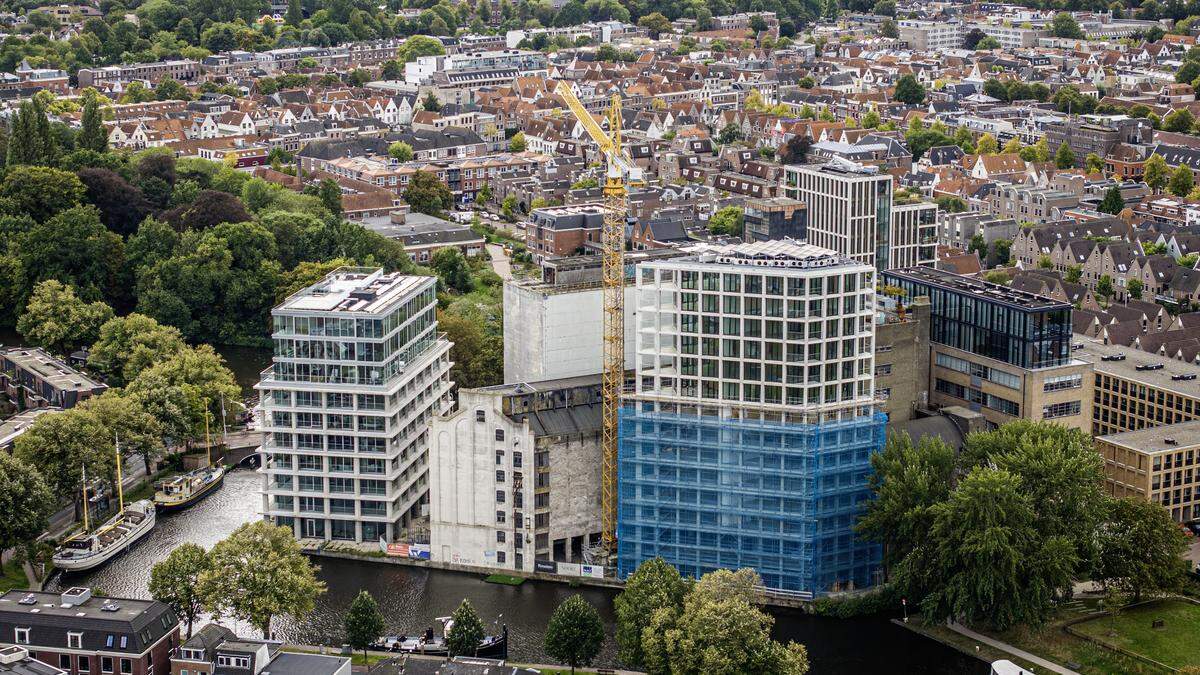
x: 706, y: 493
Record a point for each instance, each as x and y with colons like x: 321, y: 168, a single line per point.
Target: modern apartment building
x: 747, y: 440
x: 850, y: 211
x: 1000, y: 351
x: 1137, y: 390
x: 359, y: 370
x: 930, y: 35
x: 514, y: 474
x: 1159, y: 464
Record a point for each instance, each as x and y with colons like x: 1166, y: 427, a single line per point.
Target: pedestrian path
x: 1004, y: 647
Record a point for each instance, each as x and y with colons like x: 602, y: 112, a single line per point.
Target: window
x: 480, y: 416
x: 499, y: 476
x: 108, y: 642
x: 500, y: 557
x: 500, y: 516
x: 1065, y: 409
x: 22, y: 637
x: 126, y: 666
x: 85, y: 664
x: 499, y: 496
x: 106, y: 664
x: 499, y: 536
x: 64, y: 660
x: 124, y: 642
x: 499, y: 434
x: 1063, y: 382
x: 74, y: 640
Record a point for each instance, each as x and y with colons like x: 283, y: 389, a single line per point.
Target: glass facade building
x: 990, y: 320
x: 747, y: 441
x: 707, y: 492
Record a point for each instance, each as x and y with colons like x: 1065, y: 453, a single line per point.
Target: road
x: 500, y: 262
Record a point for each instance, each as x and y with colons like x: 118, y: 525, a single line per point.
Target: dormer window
x: 75, y: 640
x: 22, y: 636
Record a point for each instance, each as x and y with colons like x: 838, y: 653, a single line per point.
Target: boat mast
x: 86, y: 527
x: 207, y: 440
x: 120, y: 480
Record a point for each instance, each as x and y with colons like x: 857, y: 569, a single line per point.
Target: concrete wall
x: 575, y: 490
x: 550, y: 335
x: 463, y: 485
x: 902, y: 362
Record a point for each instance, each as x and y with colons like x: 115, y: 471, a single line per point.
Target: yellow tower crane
x: 620, y: 174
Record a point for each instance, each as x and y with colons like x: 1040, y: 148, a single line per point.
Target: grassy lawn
x: 12, y: 576
x: 1131, y: 629
x: 506, y: 579
x: 1053, y: 643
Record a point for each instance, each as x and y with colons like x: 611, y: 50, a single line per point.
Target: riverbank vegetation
x: 667, y: 624
x: 996, y: 536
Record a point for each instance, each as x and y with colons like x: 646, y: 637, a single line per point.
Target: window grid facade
x: 346, y: 406
x: 748, y: 440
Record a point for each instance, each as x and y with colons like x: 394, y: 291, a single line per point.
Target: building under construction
x: 747, y: 442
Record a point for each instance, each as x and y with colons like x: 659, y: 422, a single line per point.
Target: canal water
x: 411, y: 598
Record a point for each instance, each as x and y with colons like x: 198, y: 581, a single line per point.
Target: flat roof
x: 978, y: 288
x: 50, y: 369
x: 358, y: 290
x: 46, y: 603
x: 519, y: 388
x: 772, y: 254
x: 18, y: 424
x: 1093, y: 352
x: 1155, y: 440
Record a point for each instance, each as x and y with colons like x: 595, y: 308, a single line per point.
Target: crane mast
x: 620, y: 174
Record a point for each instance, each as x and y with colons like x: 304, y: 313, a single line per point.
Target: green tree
x: 29, y: 138
x: 92, y: 135
x: 182, y: 388
x: 467, y: 631
x: 1134, y: 287
x: 1093, y: 163
x: 517, y: 142
x: 728, y: 221
x: 575, y: 633
x: 58, y: 321
x: 139, y: 432
x: 417, y: 46
x: 1063, y: 157
x: 431, y: 102
x: 330, y: 194
x: 400, y: 151
x: 171, y: 90
x: 728, y: 134
x: 1155, y: 172
x: 909, y: 91
x: 870, y: 120
x: 1104, y: 286
x: 984, y: 561
x: 295, y: 13
x: 25, y: 501
x: 1074, y: 273
x: 988, y: 42
x: 363, y: 622
x: 1188, y: 72
x: 452, y: 269
x: 909, y: 479
x: 1182, y: 181
x: 175, y: 581
x: 41, y: 191
x: 654, y: 585
x: 61, y: 445
x: 656, y: 23
x: 426, y: 193
x: 1179, y: 121
x: 477, y: 342
x: 1065, y: 26
x: 258, y: 573
x: 987, y: 145
x: 719, y: 631
x: 1141, y: 549
x: 1113, y: 202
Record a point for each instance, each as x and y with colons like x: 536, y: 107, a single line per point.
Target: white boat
x: 88, y: 550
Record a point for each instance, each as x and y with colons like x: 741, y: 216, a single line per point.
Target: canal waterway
x: 411, y: 598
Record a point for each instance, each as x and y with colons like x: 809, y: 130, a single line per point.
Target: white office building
x: 358, y: 372
x: 850, y: 211
x: 772, y: 323
x: 930, y: 35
